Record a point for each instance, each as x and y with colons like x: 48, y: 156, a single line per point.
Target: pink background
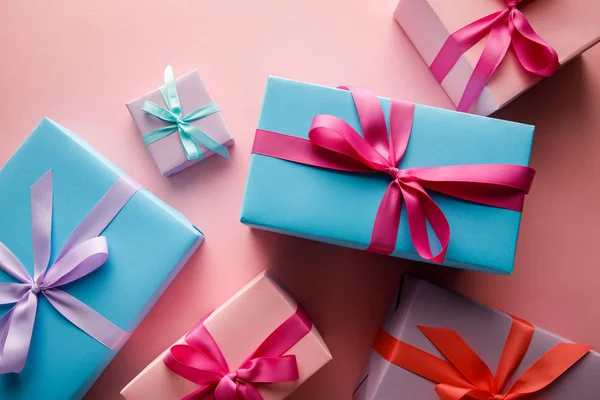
x: 79, y: 62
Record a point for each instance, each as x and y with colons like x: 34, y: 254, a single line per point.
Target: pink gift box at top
x: 198, y: 118
x: 261, y: 324
x: 568, y: 26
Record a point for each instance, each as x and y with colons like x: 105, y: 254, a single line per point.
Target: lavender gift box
x: 485, y: 330
x: 168, y: 152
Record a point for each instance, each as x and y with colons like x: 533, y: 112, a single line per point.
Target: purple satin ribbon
x: 83, y: 252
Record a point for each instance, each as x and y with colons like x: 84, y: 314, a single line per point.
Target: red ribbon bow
x: 504, y: 27
x: 201, y: 361
x: 466, y: 377
x: 336, y: 145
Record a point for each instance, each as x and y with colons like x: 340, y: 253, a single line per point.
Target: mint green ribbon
x: 189, y: 135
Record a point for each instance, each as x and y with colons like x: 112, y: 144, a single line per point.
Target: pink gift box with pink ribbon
x: 260, y: 344
x: 524, y: 40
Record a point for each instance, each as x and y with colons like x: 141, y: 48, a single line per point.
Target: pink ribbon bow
x: 201, y: 361
x: 504, y: 27
x: 336, y: 145
x: 83, y: 253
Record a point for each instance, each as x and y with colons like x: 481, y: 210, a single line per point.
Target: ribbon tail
x: 449, y: 392
x: 421, y: 208
x: 548, y: 368
x: 461, y: 41
x: 495, y: 185
x: 16, y: 330
x: 159, y: 134
x: 387, y: 221
x: 247, y: 392
x: 460, y: 354
x: 10, y: 264
x: 11, y: 292
x: 87, y: 319
x: 418, y: 361
x: 189, y: 145
x: 495, y: 49
x: 516, y: 346
x: 205, y: 140
x: 534, y: 54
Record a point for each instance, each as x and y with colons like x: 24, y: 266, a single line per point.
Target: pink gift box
x: 569, y: 26
x: 239, y: 326
x: 168, y: 153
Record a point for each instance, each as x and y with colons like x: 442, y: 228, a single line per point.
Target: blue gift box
x: 148, y: 241
x: 340, y: 207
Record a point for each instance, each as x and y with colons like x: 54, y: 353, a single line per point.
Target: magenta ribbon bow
x: 336, y: 145
x: 83, y: 252
x: 504, y: 27
x: 201, y: 361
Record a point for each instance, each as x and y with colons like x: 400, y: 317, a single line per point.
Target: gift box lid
x: 484, y: 329
x: 148, y: 244
x: 340, y: 208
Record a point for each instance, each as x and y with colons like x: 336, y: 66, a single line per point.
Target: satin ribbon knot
x: 513, y: 4
x: 504, y: 28
x: 334, y: 144
x: 189, y: 135
x: 35, y: 288
x: 233, y: 376
x: 395, y: 173
x: 201, y: 361
x: 464, y: 376
x: 83, y: 253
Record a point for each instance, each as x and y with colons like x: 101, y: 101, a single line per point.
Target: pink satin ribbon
x: 504, y: 27
x: 336, y: 145
x: 201, y: 361
x: 82, y: 254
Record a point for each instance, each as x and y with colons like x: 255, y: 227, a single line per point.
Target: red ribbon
x: 201, y: 361
x: 336, y: 145
x: 505, y: 28
x: 466, y: 377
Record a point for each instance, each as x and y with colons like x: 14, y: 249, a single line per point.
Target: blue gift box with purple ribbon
x: 84, y: 254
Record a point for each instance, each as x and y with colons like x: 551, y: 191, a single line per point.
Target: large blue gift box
x: 148, y: 244
x: 340, y: 207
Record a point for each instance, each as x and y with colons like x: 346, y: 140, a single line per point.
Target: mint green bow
x: 189, y: 135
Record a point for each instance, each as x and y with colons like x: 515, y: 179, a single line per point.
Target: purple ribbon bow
x: 83, y: 252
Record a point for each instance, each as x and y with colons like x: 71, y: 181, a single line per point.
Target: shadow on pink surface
x: 346, y: 292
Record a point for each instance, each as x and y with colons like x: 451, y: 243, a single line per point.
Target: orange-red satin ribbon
x: 465, y: 376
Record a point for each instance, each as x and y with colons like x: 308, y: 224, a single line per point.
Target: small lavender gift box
x: 180, y: 123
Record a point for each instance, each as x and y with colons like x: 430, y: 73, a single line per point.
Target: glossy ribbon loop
x: 201, y: 361
x: 83, y: 253
x: 504, y: 28
x: 334, y: 144
x: 189, y: 135
x: 464, y: 376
